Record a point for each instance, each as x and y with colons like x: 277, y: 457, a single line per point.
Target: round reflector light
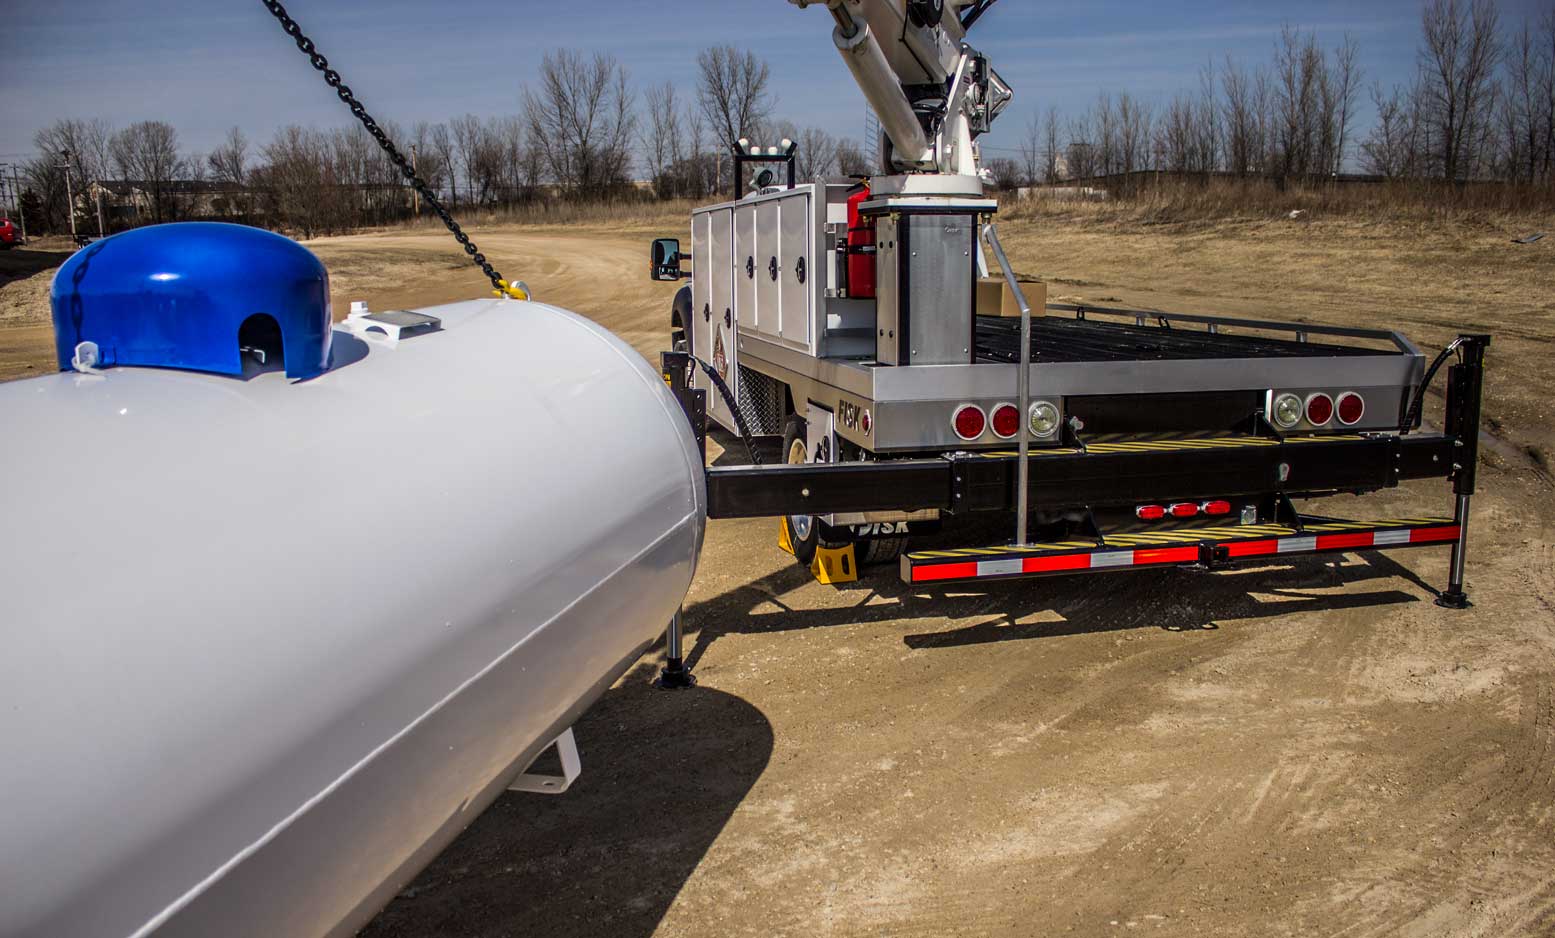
x: 1184, y: 510
x: 968, y: 422
x: 1320, y: 409
x: 1005, y: 421
x: 1351, y: 408
x: 1150, y: 512
x: 1044, y: 419
x: 1287, y: 410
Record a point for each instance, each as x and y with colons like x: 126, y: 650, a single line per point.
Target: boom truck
x: 850, y: 328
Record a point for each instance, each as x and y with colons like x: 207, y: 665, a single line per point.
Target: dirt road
x: 1306, y: 748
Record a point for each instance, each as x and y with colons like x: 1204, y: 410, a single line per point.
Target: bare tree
x: 1134, y: 123
x: 1299, y: 68
x: 851, y: 159
x: 817, y: 154
x: 147, y: 152
x: 732, y: 92
x: 468, y: 136
x: 229, y: 161
x: 661, y: 137
x: 581, y: 120
x: 1522, y: 106
x: 1031, y: 151
x: 1457, y: 62
x: 1241, y: 118
x: 1338, y: 87
x: 1392, y: 149
x: 1051, y: 155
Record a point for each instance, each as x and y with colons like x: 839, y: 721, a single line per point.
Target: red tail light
x: 1351, y: 408
x: 1006, y: 421
x: 1150, y: 512
x: 1184, y: 510
x: 1320, y: 409
x: 1216, y: 508
x: 968, y: 422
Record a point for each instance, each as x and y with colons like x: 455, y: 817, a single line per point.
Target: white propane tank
x: 267, y: 645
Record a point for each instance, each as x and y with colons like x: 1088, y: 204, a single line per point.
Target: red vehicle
x: 10, y: 237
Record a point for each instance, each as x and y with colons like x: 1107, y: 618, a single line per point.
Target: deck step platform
x: 1203, y: 546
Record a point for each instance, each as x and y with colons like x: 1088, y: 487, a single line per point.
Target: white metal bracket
x: 572, y: 767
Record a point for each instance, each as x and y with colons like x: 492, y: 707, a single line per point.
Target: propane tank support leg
x: 675, y: 674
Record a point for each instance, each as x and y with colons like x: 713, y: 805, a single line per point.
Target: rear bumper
x: 1203, y: 547
x: 1102, y: 474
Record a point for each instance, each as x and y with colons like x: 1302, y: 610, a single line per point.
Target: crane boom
x: 933, y: 93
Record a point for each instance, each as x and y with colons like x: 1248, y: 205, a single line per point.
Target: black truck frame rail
x: 1267, y: 468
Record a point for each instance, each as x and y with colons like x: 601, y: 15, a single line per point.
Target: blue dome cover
x: 176, y: 296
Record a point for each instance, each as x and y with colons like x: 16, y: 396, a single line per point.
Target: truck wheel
x: 881, y: 550
x: 804, y: 531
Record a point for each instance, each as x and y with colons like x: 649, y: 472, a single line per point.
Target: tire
x: 807, y: 533
x: 804, y: 531
x: 880, y: 550
x: 680, y: 317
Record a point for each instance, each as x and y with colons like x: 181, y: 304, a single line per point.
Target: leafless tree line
x: 580, y: 132
x: 1480, y: 106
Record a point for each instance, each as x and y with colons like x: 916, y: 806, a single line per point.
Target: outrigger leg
x: 1465, y: 384
x: 675, y: 674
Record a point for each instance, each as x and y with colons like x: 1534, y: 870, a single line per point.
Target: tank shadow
x: 1177, y: 600
x: 20, y: 262
x: 662, y: 773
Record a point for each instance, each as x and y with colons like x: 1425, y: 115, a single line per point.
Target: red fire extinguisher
x: 861, y: 247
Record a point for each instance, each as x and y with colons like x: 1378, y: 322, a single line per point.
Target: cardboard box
x: 995, y: 298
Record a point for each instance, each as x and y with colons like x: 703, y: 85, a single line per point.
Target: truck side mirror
x: 664, y: 260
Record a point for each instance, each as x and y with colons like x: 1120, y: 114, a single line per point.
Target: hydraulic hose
x: 1412, y: 416
x: 734, y: 408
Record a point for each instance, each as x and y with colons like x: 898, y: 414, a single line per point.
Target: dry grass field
x: 1306, y: 748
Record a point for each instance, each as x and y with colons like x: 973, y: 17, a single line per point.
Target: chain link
x: 332, y: 78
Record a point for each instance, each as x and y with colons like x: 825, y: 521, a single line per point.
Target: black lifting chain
x: 332, y: 78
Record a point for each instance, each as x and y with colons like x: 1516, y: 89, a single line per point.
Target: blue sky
x: 204, y: 65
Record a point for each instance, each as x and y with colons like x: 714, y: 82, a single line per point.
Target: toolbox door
x: 719, y: 349
x: 745, y: 267
x: 796, y: 271
x: 768, y: 315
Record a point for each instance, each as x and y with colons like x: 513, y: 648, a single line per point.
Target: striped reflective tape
x: 1348, y: 540
x: 1016, y: 566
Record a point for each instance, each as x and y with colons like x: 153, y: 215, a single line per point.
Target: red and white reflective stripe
x: 1152, y: 556
x: 1346, y: 540
x: 1014, y: 566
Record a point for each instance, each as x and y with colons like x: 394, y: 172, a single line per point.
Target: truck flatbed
x: 1149, y: 337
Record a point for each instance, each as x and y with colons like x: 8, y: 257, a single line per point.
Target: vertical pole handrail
x: 1022, y: 382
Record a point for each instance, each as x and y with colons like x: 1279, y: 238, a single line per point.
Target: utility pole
x: 415, y: 196
x: 98, y: 188
x: 21, y: 210
x: 70, y: 198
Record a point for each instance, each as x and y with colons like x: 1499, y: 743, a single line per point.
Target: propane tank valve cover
x: 180, y: 295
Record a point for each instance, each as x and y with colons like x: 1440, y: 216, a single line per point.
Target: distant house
x: 129, y: 202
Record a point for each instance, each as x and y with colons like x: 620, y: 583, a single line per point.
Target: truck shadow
x: 662, y: 773
x: 1178, y: 600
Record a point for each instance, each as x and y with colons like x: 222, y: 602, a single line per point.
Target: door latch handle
x: 728, y: 319
x: 772, y: 268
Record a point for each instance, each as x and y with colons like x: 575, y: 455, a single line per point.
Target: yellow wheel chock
x: 831, y: 564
